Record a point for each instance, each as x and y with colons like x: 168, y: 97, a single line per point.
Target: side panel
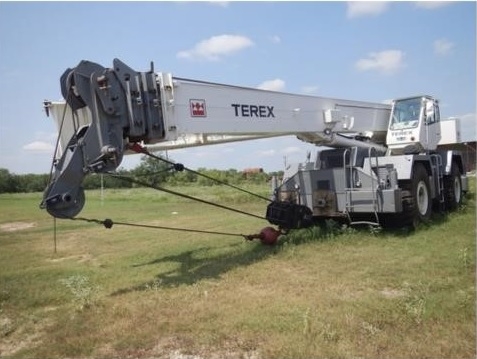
x: 450, y: 129
x: 317, y: 189
x: 327, y: 193
x: 403, y: 164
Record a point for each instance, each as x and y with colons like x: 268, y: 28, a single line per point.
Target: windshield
x: 406, y: 113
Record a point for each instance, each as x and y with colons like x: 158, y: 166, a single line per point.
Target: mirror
x: 429, y: 112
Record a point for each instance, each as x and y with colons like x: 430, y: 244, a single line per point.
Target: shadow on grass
x: 212, y: 262
x: 201, y: 263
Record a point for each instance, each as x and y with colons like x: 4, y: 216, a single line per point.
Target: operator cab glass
x: 406, y: 113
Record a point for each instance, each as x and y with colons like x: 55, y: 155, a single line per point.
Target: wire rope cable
x: 108, y: 223
x: 158, y: 188
x: 179, y: 167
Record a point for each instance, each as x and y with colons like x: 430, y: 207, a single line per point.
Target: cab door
x: 431, y: 133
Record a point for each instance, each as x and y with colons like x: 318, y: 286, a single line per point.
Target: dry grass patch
x: 16, y: 226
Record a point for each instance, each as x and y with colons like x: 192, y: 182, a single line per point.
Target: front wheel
x: 421, y: 194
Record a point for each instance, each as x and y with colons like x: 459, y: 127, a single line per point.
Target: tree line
x: 149, y: 170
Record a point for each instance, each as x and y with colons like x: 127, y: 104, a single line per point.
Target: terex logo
x: 197, y: 108
x: 252, y: 110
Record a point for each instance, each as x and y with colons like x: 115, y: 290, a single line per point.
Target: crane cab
x: 414, y: 125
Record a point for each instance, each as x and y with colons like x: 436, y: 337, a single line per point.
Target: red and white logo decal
x: 197, y: 108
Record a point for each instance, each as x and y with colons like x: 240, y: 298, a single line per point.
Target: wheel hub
x: 422, y: 198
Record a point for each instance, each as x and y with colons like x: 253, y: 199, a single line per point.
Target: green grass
x: 145, y: 293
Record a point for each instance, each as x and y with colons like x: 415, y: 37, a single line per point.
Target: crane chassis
x: 377, y: 163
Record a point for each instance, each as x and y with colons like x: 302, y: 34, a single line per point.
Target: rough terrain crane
x: 381, y: 162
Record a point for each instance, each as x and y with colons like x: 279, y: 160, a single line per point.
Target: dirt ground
x: 16, y: 226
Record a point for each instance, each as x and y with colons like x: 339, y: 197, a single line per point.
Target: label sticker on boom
x: 197, y: 108
x: 259, y: 111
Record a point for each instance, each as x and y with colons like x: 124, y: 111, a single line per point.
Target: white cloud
x: 45, y: 136
x: 365, y: 8
x: 430, y: 5
x: 290, y: 150
x: 266, y: 153
x: 206, y: 154
x: 276, y: 39
x: 39, y: 147
x: 443, y: 47
x: 386, y: 62
x: 309, y: 89
x: 272, y: 85
x: 216, y: 47
x: 220, y: 3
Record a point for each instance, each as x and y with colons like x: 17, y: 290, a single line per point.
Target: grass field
x: 131, y: 292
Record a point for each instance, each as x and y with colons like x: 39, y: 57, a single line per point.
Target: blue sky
x: 361, y: 51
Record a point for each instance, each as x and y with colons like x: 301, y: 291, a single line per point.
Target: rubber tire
x: 453, y: 188
x: 421, y: 195
x: 411, y: 216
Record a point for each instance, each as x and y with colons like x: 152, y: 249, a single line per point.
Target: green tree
x: 31, y: 182
x: 95, y: 180
x: 152, y: 170
x: 114, y: 182
x: 7, y: 181
x: 258, y: 178
x: 182, y: 177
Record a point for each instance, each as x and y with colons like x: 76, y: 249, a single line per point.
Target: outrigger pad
x: 289, y: 215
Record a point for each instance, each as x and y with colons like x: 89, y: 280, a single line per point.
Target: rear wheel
x: 453, y: 188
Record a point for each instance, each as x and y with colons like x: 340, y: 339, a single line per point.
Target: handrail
x: 374, y: 188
